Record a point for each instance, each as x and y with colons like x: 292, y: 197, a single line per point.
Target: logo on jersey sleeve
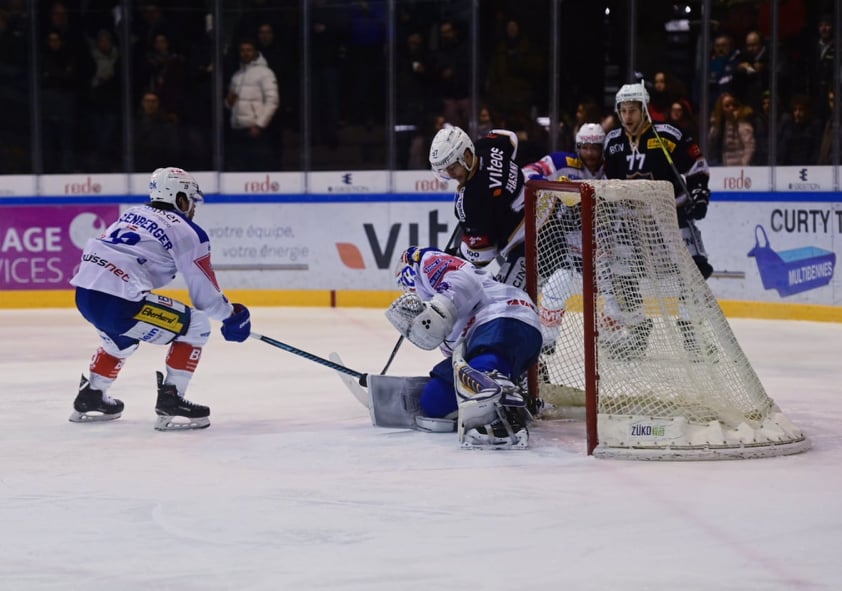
x: 653, y: 144
x: 204, y: 263
x: 438, y: 267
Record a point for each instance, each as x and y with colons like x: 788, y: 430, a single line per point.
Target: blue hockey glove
x: 237, y: 326
x: 698, y: 203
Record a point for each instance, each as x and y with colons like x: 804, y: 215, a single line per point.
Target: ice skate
x: 507, y: 431
x: 629, y: 343
x: 698, y: 348
x: 176, y: 413
x: 93, y: 406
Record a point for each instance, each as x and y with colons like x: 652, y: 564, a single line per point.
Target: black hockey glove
x: 697, y: 204
x: 237, y: 326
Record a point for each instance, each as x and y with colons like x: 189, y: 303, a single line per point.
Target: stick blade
x: 360, y: 393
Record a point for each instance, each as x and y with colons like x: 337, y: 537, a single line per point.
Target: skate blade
x: 168, y: 423
x: 92, y: 417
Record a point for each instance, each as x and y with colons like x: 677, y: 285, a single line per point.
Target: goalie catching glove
x: 424, y: 324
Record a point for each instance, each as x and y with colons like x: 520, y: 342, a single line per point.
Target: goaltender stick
x: 490, y: 334
x: 142, y: 251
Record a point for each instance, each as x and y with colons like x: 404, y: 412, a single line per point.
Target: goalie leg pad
x: 395, y: 400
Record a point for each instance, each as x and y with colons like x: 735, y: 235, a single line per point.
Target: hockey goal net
x: 633, y: 332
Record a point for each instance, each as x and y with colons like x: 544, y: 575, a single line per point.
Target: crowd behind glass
x: 93, y: 86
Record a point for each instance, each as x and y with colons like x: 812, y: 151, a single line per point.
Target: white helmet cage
x: 633, y: 93
x: 448, y: 148
x: 590, y: 133
x: 166, y: 183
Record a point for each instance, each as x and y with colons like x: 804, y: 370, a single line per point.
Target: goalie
x: 490, y: 334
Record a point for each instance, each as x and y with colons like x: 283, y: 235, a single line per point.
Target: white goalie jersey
x: 476, y: 296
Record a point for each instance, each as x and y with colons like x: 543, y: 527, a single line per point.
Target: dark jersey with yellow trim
x: 489, y: 206
x: 645, y: 159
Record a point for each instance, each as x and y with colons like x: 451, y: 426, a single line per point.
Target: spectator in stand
x: 799, y: 134
x: 666, y: 89
x: 820, y: 68
x: 731, y: 135
x: 328, y: 46
x: 485, y: 122
x: 723, y: 66
x: 452, y: 75
x: 59, y: 105
x: 413, y: 100
x: 253, y: 100
x: 164, y: 72
x: 270, y: 49
x: 826, y: 146
x: 155, y: 136
x: 752, y: 72
x: 681, y: 117
x: 14, y: 96
x: 515, y: 66
x: 73, y: 38
x: 761, y: 130
x: 104, y: 104
x: 367, y: 57
x: 197, y: 124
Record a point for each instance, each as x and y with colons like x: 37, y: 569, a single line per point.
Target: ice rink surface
x: 291, y: 488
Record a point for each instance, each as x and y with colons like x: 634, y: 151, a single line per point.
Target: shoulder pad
x: 666, y: 128
x: 573, y: 162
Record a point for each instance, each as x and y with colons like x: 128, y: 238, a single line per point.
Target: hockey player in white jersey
x: 564, y: 232
x: 490, y: 334
x: 140, y: 252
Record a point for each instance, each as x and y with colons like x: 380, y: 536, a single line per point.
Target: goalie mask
x: 448, y: 148
x: 166, y: 184
x: 406, y: 271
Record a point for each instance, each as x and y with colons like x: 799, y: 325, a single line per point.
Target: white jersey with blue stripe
x: 569, y: 165
x: 144, y: 250
x: 477, y: 296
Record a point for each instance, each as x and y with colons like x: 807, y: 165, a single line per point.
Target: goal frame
x: 688, y: 392
x: 586, y: 194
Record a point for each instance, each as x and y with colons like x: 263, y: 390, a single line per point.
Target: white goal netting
x: 666, y: 377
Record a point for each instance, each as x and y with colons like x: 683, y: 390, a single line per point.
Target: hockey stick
x: 361, y: 377
x: 674, y: 168
x: 392, y: 356
x: 454, y: 240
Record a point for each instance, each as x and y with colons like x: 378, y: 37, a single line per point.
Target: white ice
x: 291, y: 488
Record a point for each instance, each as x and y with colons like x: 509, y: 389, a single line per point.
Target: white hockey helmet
x: 590, y: 133
x: 448, y: 148
x: 166, y: 183
x: 633, y: 93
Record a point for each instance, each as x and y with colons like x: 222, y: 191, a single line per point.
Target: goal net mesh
x: 670, y: 378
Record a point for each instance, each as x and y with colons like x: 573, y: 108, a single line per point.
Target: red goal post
x: 633, y: 334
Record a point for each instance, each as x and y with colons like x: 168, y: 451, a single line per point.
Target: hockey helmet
x: 448, y: 148
x: 632, y: 93
x: 590, y: 133
x: 166, y: 183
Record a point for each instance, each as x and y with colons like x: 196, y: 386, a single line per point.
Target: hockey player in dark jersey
x: 489, y: 201
x: 640, y: 149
